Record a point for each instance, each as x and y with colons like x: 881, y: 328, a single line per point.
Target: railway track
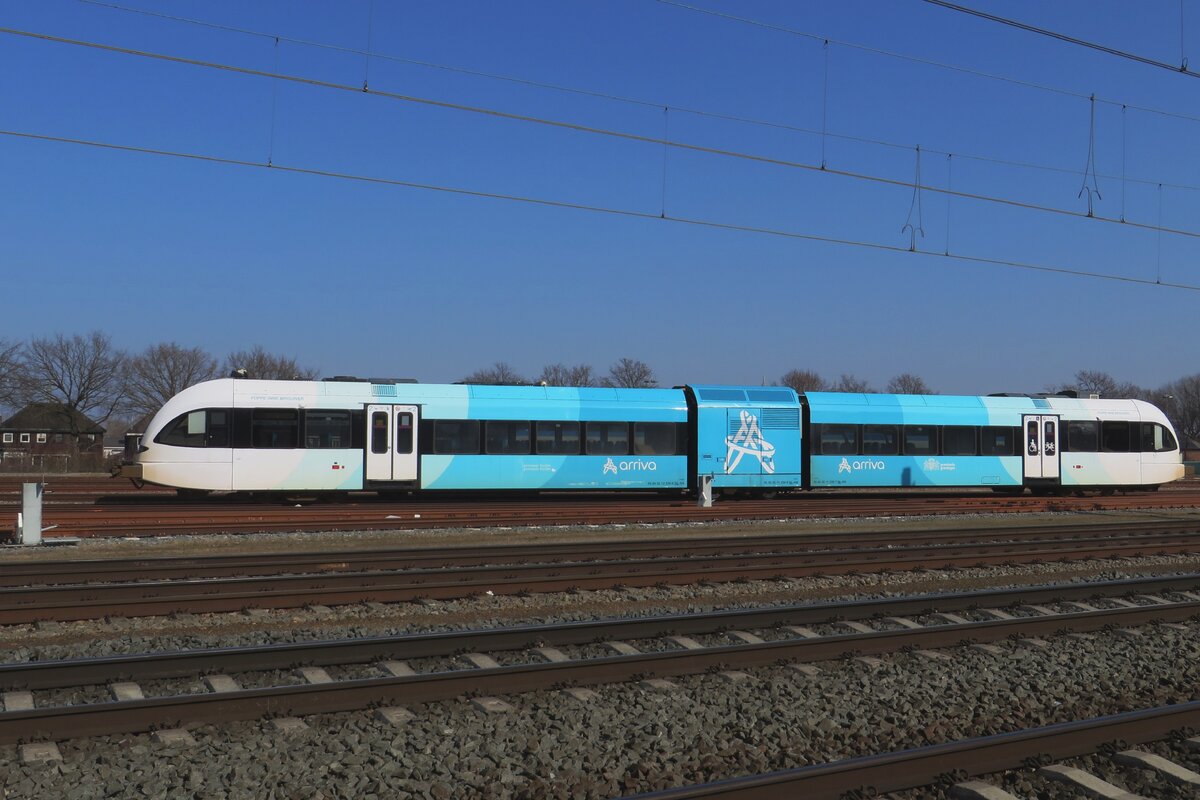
x: 866, y: 776
x: 121, y: 512
x: 787, y: 635
x: 797, y: 558
x: 51, y: 572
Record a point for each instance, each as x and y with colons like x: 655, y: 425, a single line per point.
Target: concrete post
x: 31, y: 513
x: 704, y: 492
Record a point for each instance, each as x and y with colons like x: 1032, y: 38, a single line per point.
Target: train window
x: 404, y: 432
x: 327, y: 429
x: 996, y: 441
x: 839, y: 440
x: 274, y: 427
x: 1082, y: 437
x: 920, y: 440
x: 959, y: 440
x: 379, y: 432
x: 218, y: 427
x: 608, y: 438
x: 1156, y: 439
x: 880, y: 440
x: 1114, y: 437
x: 654, y: 438
x: 507, y: 438
x: 186, y: 430
x: 456, y: 437
x: 558, y: 438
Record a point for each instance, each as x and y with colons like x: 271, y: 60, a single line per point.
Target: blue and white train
x: 341, y: 435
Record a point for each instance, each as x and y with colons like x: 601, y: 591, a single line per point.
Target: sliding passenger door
x: 391, y: 443
x: 1041, y: 442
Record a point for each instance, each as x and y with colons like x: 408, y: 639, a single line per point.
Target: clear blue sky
x: 354, y: 278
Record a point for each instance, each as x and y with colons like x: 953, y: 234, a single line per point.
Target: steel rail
x: 267, y: 563
x: 66, y: 722
x: 170, y: 519
x: 922, y: 766
x: 71, y: 602
x: 150, y: 666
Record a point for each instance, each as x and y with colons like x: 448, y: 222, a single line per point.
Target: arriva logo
x: 749, y: 439
x: 615, y: 467
x: 865, y: 463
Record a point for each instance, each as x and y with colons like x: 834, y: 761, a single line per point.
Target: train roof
x: 965, y: 409
x: 1031, y: 403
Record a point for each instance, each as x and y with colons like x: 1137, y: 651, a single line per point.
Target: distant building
x: 50, y: 436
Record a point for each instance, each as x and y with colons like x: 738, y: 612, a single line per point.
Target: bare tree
x: 629, y: 373
x: 10, y: 373
x: 81, y: 373
x: 262, y: 365
x: 162, y: 371
x: 499, y: 374
x: 1090, y: 381
x: 562, y: 375
x: 852, y: 384
x: 1180, y: 400
x: 908, y: 383
x: 803, y: 380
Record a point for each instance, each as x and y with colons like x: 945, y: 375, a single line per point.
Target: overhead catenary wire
x: 656, y: 104
x: 587, y: 129
x: 1062, y: 37
x: 620, y: 212
x: 919, y: 60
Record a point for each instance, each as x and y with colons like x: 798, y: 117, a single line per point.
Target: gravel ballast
x: 633, y: 739
x: 629, y: 738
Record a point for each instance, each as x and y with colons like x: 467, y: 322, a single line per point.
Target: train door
x: 392, y: 443
x: 1041, y: 439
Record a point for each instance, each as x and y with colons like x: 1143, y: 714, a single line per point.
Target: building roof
x: 50, y: 418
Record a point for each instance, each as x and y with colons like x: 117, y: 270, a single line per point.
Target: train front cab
x: 1110, y: 444
x: 746, y: 439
